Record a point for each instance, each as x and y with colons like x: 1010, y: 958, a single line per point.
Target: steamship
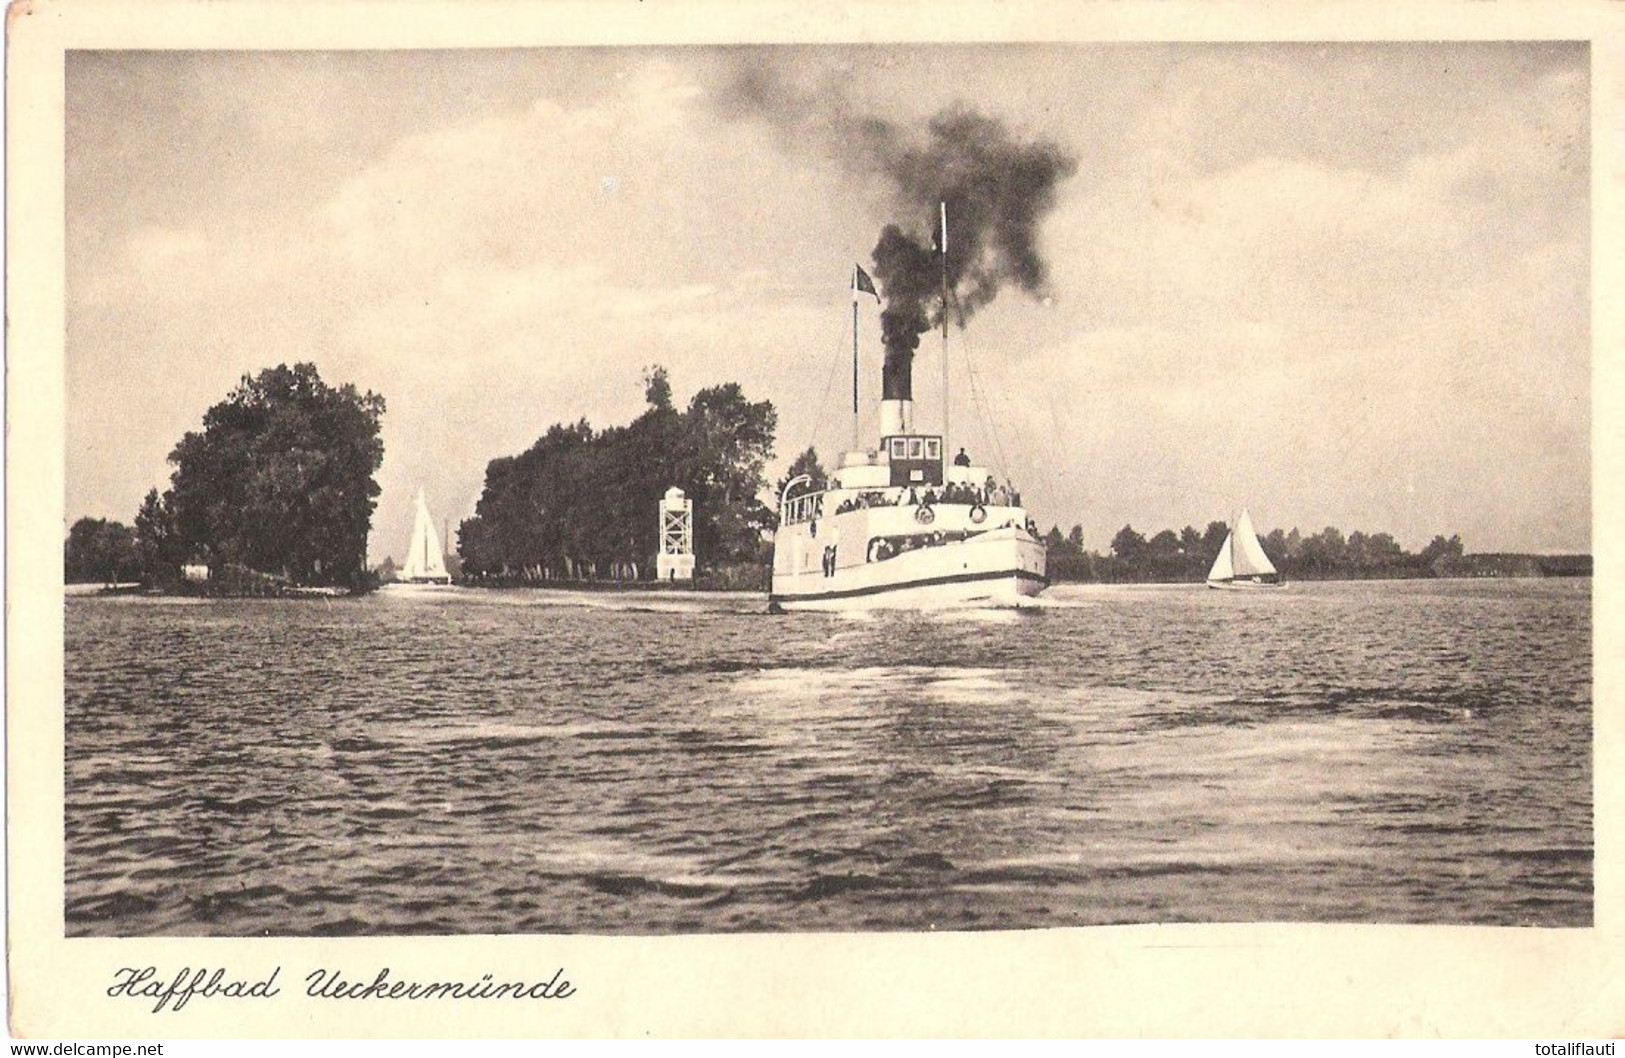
x: 903, y: 524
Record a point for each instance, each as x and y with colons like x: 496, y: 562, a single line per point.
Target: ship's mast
x: 946, y: 405
x: 1232, y: 542
x: 857, y: 438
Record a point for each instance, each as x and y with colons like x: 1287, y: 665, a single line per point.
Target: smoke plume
x: 997, y: 187
x: 997, y: 190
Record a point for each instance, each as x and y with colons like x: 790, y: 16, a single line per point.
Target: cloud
x: 1294, y: 279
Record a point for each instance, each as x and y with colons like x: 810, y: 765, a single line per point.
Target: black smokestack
x: 909, y: 277
x: 997, y: 189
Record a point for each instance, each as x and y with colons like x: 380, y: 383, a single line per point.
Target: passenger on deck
x: 961, y: 460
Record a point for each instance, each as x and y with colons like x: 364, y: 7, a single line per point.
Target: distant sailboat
x: 425, y: 563
x: 1242, y: 564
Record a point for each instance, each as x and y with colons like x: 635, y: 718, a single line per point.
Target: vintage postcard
x: 586, y: 520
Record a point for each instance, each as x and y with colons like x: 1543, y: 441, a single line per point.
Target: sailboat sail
x: 1222, y: 569
x: 1242, y: 555
x: 1249, y: 558
x: 424, y: 560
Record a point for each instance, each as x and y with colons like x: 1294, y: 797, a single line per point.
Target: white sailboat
x: 904, y: 524
x: 1242, y: 564
x: 425, y: 562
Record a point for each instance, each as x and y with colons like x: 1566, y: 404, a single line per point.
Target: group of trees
x: 101, y: 552
x: 1188, y: 554
x: 581, y: 503
x: 279, y: 481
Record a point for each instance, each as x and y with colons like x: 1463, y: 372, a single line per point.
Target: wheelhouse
x: 916, y: 459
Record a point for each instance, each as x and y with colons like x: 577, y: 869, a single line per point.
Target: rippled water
x: 534, y: 762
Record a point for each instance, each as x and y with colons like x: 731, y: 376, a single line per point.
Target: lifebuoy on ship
x: 925, y: 515
x: 978, y: 514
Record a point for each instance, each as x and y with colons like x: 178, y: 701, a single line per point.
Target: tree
x: 806, y: 463
x: 281, y: 477
x: 1384, y: 550
x: 1358, y: 552
x: 157, y: 541
x: 1439, y: 550
x: 1074, y: 539
x: 1274, y: 545
x: 657, y: 388
x: 1127, y: 544
x: 732, y: 440
x: 1164, y: 545
x: 98, y: 550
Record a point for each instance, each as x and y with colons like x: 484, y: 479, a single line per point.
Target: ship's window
x: 933, y: 448
x: 914, y: 448
x: 899, y: 448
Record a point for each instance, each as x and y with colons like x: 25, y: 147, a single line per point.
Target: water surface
x: 539, y: 762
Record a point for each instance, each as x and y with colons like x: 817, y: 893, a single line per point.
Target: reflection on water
x: 529, y: 762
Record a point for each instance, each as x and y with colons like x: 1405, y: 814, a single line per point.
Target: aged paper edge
x: 1189, y: 980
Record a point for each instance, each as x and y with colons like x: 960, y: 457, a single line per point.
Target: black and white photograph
x: 974, y: 516
x: 647, y: 490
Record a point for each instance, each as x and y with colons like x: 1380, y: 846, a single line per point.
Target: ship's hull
x: 419, y: 584
x: 1000, y: 567
x: 1246, y: 585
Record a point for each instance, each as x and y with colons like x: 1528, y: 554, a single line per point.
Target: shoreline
x: 83, y: 591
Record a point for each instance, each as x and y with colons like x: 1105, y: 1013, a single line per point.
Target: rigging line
x: 1047, y: 465
x: 979, y: 402
x: 989, y: 419
x: 1048, y: 469
x: 1050, y: 478
x: 822, y: 413
x: 979, y: 406
x: 984, y: 410
x: 988, y: 413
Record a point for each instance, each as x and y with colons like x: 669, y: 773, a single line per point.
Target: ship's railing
x: 805, y: 506
x: 801, y: 508
x: 882, y: 548
x: 999, y: 496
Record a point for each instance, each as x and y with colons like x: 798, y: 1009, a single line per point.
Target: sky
x: 1342, y: 284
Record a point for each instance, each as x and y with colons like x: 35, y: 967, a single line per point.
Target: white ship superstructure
x: 896, y: 527
x: 904, y: 524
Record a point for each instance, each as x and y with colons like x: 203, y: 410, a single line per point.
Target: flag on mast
x: 862, y: 284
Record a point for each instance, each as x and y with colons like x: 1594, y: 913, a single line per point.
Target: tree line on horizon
x: 279, y: 485
x: 1188, y: 554
x: 582, y: 503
